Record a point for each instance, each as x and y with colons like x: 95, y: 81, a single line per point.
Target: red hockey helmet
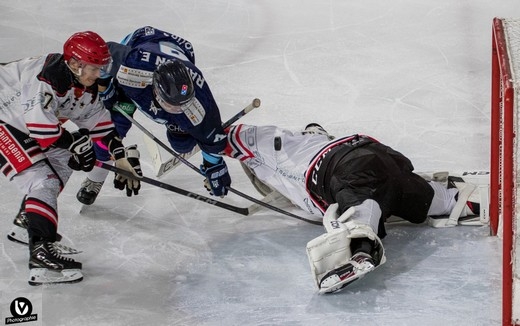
x: 87, y: 47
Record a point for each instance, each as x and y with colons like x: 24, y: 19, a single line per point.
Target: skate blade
x: 18, y: 235
x: 43, y: 276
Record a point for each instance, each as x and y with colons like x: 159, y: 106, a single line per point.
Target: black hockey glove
x: 217, y: 177
x: 83, y: 157
x: 126, y: 159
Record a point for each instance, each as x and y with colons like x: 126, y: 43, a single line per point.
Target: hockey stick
x: 194, y: 168
x: 163, y: 168
x: 253, y: 105
x: 236, y: 209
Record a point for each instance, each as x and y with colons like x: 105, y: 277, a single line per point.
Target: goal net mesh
x: 511, y: 29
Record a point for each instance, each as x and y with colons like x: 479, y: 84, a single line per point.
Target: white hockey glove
x: 126, y: 159
x: 83, y: 156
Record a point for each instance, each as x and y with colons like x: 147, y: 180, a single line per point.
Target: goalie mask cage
x: 505, y: 159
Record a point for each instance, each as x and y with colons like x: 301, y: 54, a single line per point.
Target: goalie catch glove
x: 126, y: 159
x: 83, y: 157
x: 215, y: 170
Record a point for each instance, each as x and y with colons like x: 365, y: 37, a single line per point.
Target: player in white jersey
x: 38, y: 155
x: 354, y: 182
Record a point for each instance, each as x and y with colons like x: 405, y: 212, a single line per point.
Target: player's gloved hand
x: 126, y: 159
x: 83, y: 156
x: 217, y: 177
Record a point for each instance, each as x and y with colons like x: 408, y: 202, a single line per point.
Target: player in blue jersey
x: 154, y: 71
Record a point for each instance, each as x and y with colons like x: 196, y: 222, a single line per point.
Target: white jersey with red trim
x: 278, y: 157
x: 38, y: 94
x: 282, y: 159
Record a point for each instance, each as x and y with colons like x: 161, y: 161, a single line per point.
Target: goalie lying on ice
x: 354, y: 182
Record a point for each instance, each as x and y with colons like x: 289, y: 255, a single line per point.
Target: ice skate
x: 358, y: 265
x: 19, y: 231
x: 47, y: 266
x: 314, y: 128
x: 20, y: 235
x: 89, y: 191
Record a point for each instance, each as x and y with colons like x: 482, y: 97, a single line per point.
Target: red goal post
x: 505, y: 159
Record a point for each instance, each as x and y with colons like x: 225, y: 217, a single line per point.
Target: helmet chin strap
x: 76, y: 74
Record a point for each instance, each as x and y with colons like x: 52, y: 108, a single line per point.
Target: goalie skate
x: 47, y: 266
x: 20, y: 235
x: 314, y: 128
x: 358, y: 266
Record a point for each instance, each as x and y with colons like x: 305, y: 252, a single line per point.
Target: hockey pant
x: 42, y: 182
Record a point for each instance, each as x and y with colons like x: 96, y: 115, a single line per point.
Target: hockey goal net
x: 505, y: 159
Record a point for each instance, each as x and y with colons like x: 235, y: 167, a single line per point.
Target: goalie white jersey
x: 278, y: 157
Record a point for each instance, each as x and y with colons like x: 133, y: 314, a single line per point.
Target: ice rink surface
x: 413, y: 74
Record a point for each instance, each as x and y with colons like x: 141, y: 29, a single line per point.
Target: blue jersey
x: 134, y: 63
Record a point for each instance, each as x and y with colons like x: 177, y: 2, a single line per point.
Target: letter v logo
x: 21, y: 308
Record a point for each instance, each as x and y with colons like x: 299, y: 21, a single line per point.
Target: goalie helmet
x: 87, y: 47
x: 173, y: 85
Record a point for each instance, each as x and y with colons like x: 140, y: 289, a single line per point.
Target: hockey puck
x: 277, y: 143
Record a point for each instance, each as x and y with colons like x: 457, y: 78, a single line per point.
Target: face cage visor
x: 92, y: 68
x: 170, y: 108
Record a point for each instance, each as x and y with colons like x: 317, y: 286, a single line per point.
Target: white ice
x: 413, y: 74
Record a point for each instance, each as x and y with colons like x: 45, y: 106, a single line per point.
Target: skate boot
x: 359, y: 264
x: 47, y: 266
x: 314, y: 128
x: 89, y: 191
x: 20, y: 235
x: 19, y: 231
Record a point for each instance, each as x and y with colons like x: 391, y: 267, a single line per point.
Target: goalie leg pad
x: 328, y: 252
x: 461, y: 214
x: 332, y: 264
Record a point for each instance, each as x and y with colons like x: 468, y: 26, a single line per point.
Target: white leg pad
x: 328, y: 252
x: 332, y: 249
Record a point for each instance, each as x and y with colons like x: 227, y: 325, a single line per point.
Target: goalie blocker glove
x: 126, y: 159
x: 215, y: 170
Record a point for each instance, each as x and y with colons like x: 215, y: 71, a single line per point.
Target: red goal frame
x: 503, y: 162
